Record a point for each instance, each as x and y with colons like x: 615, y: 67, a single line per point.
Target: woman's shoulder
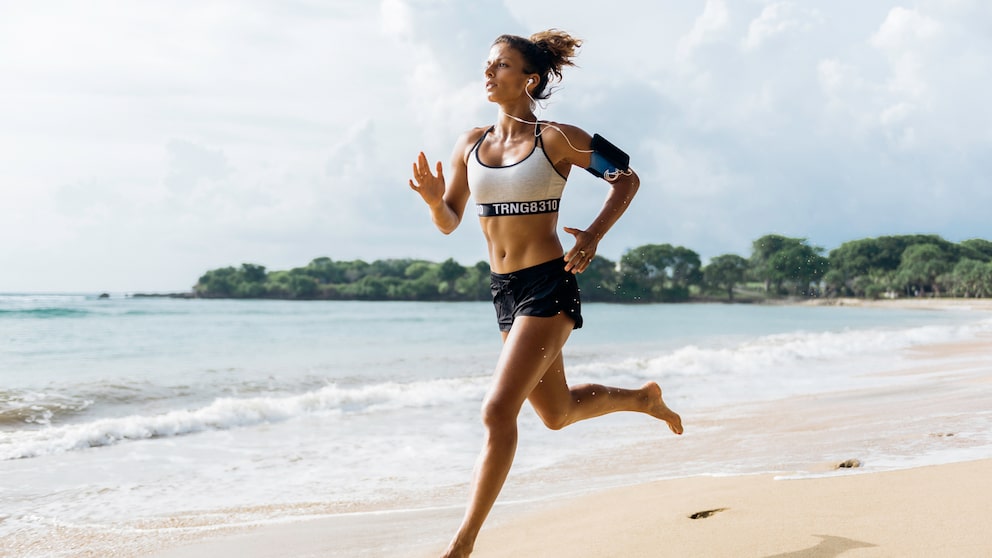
x: 558, y: 130
x: 469, y: 137
x: 467, y: 140
x: 565, y: 142
x: 473, y: 134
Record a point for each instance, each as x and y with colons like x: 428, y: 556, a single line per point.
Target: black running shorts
x: 543, y: 290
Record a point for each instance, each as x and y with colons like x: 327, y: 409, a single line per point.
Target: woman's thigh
x: 530, y: 349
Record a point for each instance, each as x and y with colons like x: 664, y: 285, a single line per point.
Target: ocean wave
x: 774, y: 359
x: 57, y: 404
x: 54, y: 312
x: 230, y: 413
x: 32, y: 408
x: 795, y: 348
x: 772, y: 365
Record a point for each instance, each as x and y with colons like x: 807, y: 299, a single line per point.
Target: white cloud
x: 906, y: 37
x: 141, y: 148
x: 708, y: 27
x: 777, y: 19
x: 896, y: 120
x: 396, y: 18
x: 190, y: 163
x: 905, y: 29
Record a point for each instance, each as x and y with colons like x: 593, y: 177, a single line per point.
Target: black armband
x: 607, y: 159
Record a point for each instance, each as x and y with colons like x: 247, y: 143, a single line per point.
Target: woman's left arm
x: 622, y: 190
x: 572, y: 146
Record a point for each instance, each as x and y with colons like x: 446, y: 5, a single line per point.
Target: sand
x: 927, y: 512
x: 942, y: 510
x: 936, y: 511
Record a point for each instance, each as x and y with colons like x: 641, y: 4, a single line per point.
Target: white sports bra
x: 530, y: 186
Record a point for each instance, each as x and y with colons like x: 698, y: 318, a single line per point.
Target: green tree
x: 450, y: 270
x: 893, y: 248
x: 325, y: 271
x: 920, y: 267
x: 726, y: 271
x: 354, y: 270
x: 799, y: 265
x: 301, y: 284
x: 852, y: 263
x: 762, y: 251
x: 686, y: 270
x: 219, y: 282
x: 474, y: 284
x: 420, y: 282
x: 247, y: 281
x: 252, y: 273
x: 977, y: 249
x: 250, y: 281
x: 861, y: 257
x: 368, y: 288
x: 871, y: 264
x: 659, y: 272
x: 777, y: 260
x: 389, y: 268
x: 914, y: 264
x: 448, y: 274
x: 642, y: 272
x: 600, y: 281
x: 970, y: 278
x: 419, y: 269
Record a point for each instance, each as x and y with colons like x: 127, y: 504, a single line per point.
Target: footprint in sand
x: 706, y: 513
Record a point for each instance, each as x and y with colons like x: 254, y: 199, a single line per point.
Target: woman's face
x: 504, y: 73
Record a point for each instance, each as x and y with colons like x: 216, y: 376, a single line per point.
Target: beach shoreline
x: 951, y: 303
x: 930, y: 511
x: 923, y: 507
x: 769, y: 413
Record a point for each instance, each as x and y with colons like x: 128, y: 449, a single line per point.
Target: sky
x: 144, y: 143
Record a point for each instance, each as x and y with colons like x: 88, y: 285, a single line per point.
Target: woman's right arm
x: 446, y: 200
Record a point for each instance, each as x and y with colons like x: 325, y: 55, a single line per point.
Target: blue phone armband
x: 607, y: 160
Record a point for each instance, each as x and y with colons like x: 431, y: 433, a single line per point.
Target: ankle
x: 458, y: 549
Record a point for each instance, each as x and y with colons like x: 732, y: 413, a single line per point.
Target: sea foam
x: 229, y: 413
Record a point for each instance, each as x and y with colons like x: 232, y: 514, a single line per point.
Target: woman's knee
x: 554, y: 420
x: 496, y: 414
x: 499, y: 416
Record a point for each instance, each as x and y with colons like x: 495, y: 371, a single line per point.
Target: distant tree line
x: 779, y: 266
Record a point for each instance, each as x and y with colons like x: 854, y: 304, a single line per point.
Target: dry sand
x: 926, y: 512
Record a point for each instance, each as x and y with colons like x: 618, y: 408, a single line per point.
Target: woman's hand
x: 430, y: 187
x: 580, y: 256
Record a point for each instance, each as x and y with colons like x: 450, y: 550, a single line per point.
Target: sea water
x: 158, y: 413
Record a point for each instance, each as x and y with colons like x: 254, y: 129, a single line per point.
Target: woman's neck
x: 515, y: 122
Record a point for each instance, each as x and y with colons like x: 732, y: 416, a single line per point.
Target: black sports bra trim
x: 500, y: 209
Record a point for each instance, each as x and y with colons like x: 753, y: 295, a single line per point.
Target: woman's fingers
x: 424, y: 182
x: 422, y: 170
x: 582, y: 253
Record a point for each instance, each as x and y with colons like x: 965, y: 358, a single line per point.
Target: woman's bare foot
x: 658, y: 409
